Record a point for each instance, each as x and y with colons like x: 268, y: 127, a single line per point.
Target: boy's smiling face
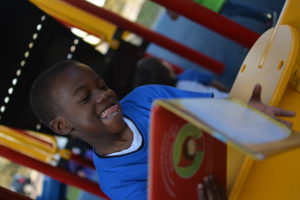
x: 88, y: 109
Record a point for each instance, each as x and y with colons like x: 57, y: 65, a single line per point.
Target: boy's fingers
x: 256, y: 93
x: 211, y: 191
x: 287, y: 123
x: 213, y: 184
x: 284, y: 113
x: 208, y: 189
x: 201, y: 194
x: 211, y: 188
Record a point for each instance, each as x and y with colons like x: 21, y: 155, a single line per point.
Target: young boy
x: 72, y: 99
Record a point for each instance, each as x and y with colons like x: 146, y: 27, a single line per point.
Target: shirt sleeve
x: 166, y: 92
x: 195, y: 76
x: 145, y: 95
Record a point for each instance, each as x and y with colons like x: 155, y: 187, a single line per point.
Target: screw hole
x: 280, y: 65
x: 243, y: 68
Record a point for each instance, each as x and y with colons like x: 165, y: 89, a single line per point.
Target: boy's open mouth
x: 110, y: 111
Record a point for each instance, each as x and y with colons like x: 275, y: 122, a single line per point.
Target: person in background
x: 154, y: 71
x: 22, y: 184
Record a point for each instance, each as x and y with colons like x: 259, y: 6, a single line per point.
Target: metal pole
x: 150, y: 35
x: 6, y: 194
x: 54, y: 172
x: 212, y: 20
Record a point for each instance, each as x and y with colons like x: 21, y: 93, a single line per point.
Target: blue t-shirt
x: 125, y: 176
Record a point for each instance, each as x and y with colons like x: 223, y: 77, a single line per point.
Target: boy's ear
x: 60, y: 126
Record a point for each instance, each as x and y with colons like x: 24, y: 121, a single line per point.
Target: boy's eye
x: 84, y: 99
x: 103, y: 87
x: 101, y: 84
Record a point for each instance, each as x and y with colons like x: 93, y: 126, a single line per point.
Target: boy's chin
x: 117, y: 127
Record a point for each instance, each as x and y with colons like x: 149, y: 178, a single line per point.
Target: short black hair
x: 152, y: 71
x: 41, y: 99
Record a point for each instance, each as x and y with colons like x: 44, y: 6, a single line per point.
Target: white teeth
x: 106, y: 110
x: 114, y: 114
x: 105, y: 114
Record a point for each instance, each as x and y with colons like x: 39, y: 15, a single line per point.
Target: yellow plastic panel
x: 235, y: 161
x: 266, y: 64
x: 290, y: 14
x: 270, y: 62
x: 276, y: 178
x: 274, y: 63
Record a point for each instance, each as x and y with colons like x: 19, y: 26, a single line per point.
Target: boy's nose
x: 101, y: 96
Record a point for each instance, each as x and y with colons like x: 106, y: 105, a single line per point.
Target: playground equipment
x: 55, y: 172
x: 211, y: 20
x: 39, y: 146
x: 39, y: 151
x: 7, y: 194
x: 273, y: 62
x: 91, y: 18
x: 73, y: 16
x: 86, y: 16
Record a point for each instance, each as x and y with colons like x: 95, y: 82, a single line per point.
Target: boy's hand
x: 255, y: 101
x: 210, y: 190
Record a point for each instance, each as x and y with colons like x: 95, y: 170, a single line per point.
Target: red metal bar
x: 150, y: 35
x: 54, y: 172
x: 82, y: 161
x: 6, y: 194
x: 23, y: 132
x: 211, y: 20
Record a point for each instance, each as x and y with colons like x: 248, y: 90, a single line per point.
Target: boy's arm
x: 274, y: 112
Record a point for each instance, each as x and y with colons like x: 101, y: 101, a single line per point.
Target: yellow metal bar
x: 48, y: 146
x: 45, y: 137
x: 78, y: 18
x: 22, y: 147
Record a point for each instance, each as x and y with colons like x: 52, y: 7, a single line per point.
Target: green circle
x: 186, y: 131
